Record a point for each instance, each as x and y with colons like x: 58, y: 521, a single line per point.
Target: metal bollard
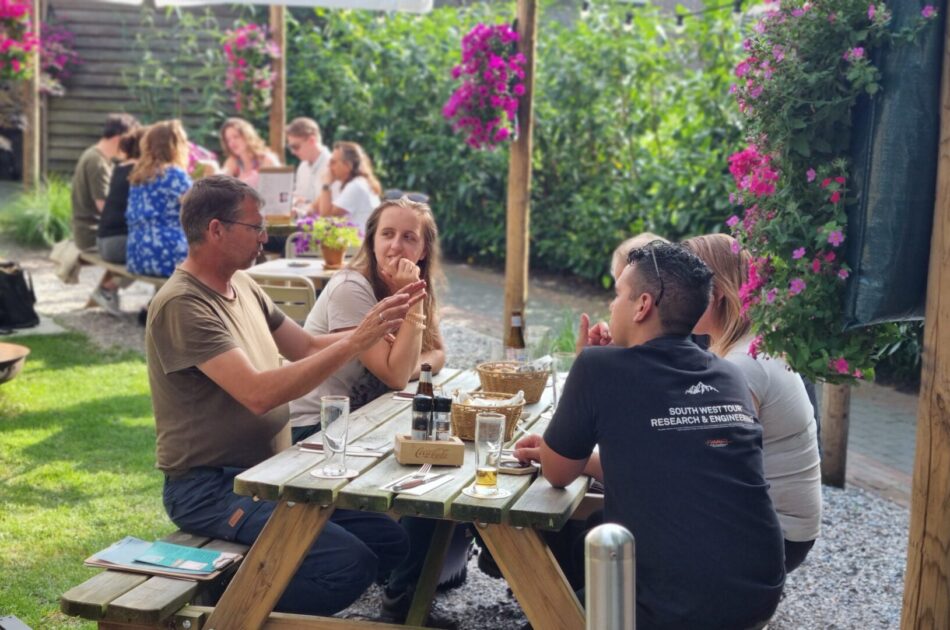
x: 610, y: 596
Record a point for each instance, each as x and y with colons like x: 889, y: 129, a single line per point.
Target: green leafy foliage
x: 632, y: 127
x: 41, y: 216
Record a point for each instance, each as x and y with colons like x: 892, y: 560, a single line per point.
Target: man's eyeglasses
x: 394, y: 193
x: 260, y: 228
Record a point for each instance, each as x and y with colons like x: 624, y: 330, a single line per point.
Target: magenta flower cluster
x: 250, y: 75
x: 485, y: 106
x: 17, y: 39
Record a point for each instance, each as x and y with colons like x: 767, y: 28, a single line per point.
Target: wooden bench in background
x: 91, y: 258
x: 120, y: 600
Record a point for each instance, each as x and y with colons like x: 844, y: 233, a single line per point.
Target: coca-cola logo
x: 429, y: 452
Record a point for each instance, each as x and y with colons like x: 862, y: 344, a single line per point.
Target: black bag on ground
x: 16, y: 297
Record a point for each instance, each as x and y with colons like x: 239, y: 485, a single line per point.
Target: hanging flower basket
x: 484, y: 108
x: 17, y: 41
x: 250, y: 75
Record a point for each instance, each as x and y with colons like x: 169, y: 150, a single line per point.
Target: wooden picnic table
x: 509, y: 526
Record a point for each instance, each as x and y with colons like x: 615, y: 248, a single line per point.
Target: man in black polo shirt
x: 680, y: 452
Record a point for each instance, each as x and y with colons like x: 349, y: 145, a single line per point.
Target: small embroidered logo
x: 701, y: 388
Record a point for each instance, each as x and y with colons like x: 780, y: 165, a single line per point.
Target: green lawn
x: 77, y: 472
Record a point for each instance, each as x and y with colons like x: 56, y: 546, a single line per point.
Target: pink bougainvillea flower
x: 798, y: 253
x: 840, y: 365
x: 796, y: 286
x: 928, y: 11
x: 810, y: 175
x: 836, y: 238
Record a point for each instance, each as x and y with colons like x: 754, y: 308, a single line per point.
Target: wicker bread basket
x: 463, y: 416
x: 500, y: 376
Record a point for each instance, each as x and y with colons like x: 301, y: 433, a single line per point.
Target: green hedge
x: 632, y: 127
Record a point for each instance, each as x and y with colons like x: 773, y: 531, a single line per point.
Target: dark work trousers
x: 353, y: 548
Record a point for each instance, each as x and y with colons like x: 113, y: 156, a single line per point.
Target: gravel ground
x: 853, y: 578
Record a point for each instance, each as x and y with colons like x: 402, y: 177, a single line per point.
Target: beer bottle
x: 421, y: 417
x: 425, y: 381
x: 514, y: 342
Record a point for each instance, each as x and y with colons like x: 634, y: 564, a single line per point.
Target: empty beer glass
x: 334, y: 417
x: 489, y: 436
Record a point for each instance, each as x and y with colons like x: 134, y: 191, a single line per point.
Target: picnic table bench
x: 119, y: 599
x: 92, y: 258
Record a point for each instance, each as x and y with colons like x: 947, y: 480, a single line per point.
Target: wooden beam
x: 835, y: 418
x: 926, y: 585
x: 278, y: 110
x: 31, y: 106
x: 519, y: 173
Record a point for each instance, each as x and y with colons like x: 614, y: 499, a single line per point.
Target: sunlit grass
x: 77, y: 455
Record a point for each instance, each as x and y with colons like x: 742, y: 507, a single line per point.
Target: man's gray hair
x: 215, y: 197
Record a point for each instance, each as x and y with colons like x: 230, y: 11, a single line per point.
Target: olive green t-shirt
x: 90, y: 183
x: 198, y: 423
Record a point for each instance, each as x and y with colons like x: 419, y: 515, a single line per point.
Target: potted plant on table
x: 330, y: 235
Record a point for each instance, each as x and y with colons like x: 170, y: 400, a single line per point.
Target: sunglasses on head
x: 394, y: 194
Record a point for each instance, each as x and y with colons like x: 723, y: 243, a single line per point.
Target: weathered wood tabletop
x: 508, y: 526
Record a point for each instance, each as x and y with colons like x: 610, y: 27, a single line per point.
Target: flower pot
x: 332, y: 258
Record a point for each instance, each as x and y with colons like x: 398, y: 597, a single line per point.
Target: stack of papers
x: 162, y: 558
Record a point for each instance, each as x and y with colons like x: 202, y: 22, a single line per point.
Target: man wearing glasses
x: 304, y: 141
x: 680, y: 452
x: 219, y: 392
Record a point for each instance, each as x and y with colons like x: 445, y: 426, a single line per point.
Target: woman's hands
x: 399, y: 273
x: 386, y: 317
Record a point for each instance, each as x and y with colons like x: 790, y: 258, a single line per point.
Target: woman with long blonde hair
x: 244, y: 151
x: 789, y: 430
x: 400, y: 247
x: 156, y: 242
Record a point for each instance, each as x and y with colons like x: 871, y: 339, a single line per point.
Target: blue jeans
x: 351, y: 551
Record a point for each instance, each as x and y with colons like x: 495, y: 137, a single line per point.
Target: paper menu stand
x: 276, y: 186
x: 125, y: 555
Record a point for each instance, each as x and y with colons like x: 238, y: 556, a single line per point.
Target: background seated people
x: 790, y: 440
x: 680, y: 452
x: 305, y: 143
x: 113, y: 228
x: 401, y: 246
x: 156, y: 242
x: 220, y: 392
x: 351, y: 189
x: 244, y: 151
x: 90, y: 187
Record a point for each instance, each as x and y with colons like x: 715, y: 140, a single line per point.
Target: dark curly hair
x: 679, y: 281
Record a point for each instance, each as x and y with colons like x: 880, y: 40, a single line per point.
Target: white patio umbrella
x: 410, y: 6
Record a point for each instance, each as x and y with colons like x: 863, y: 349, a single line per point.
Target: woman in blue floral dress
x: 156, y: 242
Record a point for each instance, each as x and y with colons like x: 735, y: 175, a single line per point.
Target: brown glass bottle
x: 514, y: 342
x: 425, y: 381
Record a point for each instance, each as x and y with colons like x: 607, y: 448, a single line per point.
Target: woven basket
x: 495, y: 380
x: 463, y: 416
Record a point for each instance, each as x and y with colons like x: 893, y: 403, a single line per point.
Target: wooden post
x: 31, y: 103
x: 926, y: 585
x: 519, y: 173
x: 278, y: 110
x: 835, y: 418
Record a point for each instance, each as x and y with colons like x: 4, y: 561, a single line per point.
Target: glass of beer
x: 489, y: 436
x: 334, y: 417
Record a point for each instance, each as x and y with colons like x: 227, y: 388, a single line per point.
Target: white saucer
x: 500, y: 493
x: 349, y: 474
